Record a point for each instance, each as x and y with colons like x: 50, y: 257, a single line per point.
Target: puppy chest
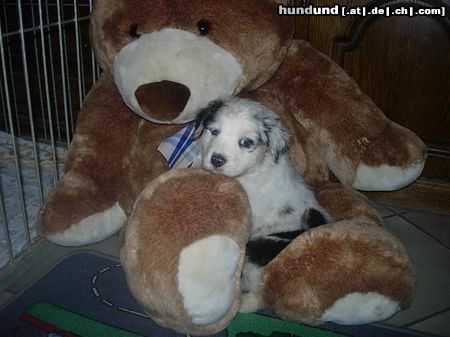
x: 272, y: 217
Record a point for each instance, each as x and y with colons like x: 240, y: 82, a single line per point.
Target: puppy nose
x: 217, y: 160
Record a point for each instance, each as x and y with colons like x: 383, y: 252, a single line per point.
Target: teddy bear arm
x: 201, y: 222
x: 362, y: 147
x: 88, y: 203
x: 351, y: 271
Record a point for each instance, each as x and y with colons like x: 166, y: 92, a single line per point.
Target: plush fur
x: 335, y: 128
x: 350, y: 252
x: 178, y: 218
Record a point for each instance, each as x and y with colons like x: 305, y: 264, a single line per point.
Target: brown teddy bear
x: 184, y: 245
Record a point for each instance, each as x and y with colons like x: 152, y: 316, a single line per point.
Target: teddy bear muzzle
x: 163, y: 100
x: 168, y: 75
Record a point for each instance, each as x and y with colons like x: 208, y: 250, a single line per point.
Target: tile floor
x: 425, y: 234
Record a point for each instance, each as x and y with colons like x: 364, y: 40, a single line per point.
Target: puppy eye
x: 214, y: 132
x: 133, y: 32
x: 246, y: 143
x: 203, y: 27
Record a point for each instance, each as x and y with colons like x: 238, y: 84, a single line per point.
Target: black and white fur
x: 244, y: 139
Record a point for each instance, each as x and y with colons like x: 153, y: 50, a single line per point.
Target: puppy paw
x: 251, y: 302
x: 207, y: 278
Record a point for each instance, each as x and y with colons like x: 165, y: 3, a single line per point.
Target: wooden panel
x: 410, y: 83
x: 423, y: 194
x: 402, y: 63
x: 324, y: 29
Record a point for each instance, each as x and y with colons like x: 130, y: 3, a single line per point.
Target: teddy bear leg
x: 184, y: 249
x: 361, y: 146
x: 90, y: 202
x: 402, y: 155
x: 207, y: 278
x: 351, y: 271
x: 79, y: 212
x: 360, y: 308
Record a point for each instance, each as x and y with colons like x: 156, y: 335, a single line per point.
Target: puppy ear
x: 276, y: 136
x: 206, y: 116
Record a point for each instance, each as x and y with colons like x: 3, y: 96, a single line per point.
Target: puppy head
x: 237, y: 135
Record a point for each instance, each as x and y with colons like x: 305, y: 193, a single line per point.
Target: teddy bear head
x: 171, y: 58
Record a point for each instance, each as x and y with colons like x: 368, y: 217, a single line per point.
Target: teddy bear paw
x: 91, y: 229
x: 359, y: 308
x: 207, y: 278
x: 385, y: 177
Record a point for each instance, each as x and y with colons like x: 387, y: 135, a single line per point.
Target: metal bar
x: 83, y: 77
x: 30, y: 107
x: 4, y: 224
x: 13, y: 87
x: 97, y: 69
x: 30, y: 112
x: 95, y: 63
x: 50, y: 25
x: 47, y: 95
x: 51, y: 4
x: 94, y: 71
x: 438, y: 152
x: 13, y: 140
x: 52, y: 71
x: 79, y: 59
x: 69, y: 91
x: 5, y: 118
x: 38, y: 70
x: 63, y: 74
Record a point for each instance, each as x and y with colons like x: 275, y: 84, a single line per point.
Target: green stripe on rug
x: 250, y: 325
x: 75, y: 323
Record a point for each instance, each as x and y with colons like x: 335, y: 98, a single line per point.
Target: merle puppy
x: 244, y: 139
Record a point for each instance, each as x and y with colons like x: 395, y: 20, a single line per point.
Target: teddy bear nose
x: 163, y: 100
x: 218, y: 160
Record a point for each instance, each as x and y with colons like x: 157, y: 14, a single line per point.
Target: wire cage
x: 47, y: 67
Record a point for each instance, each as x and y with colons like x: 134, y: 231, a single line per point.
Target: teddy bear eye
x: 203, y: 26
x: 133, y: 32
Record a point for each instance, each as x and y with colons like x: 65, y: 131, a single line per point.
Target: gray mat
x: 86, y: 295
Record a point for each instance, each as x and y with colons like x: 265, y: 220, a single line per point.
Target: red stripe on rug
x: 44, y: 326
